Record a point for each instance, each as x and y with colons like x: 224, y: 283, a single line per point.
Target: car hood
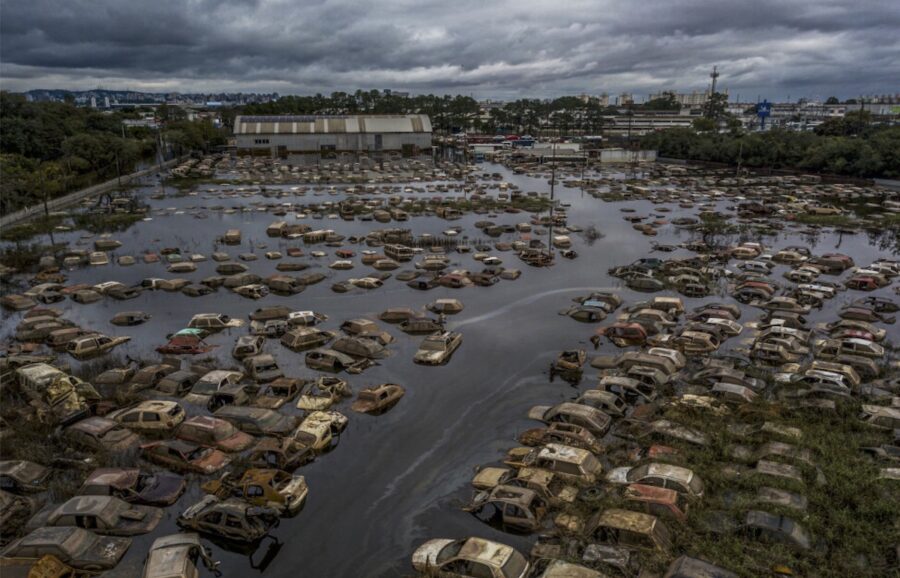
x: 426, y: 554
x: 538, y: 412
x: 429, y: 355
x: 165, y: 491
x: 106, y: 551
x: 237, y: 442
x: 618, y: 475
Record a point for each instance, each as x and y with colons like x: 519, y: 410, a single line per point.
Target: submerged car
x: 184, y: 456
x: 590, y: 418
x: 231, y: 519
x: 438, y: 348
x: 677, y: 478
x: 214, y: 432
x: 177, y: 556
x: 513, y: 506
x: 81, y: 549
x: 106, y: 515
x: 93, y: 345
x: 258, y: 421
x: 134, y: 485
x: 468, y: 556
x: 21, y: 476
x: 101, y: 434
x: 263, y: 487
x: 378, y: 399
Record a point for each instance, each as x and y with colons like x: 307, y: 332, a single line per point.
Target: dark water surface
x: 399, y: 479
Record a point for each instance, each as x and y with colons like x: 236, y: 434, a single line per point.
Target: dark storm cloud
x: 500, y: 48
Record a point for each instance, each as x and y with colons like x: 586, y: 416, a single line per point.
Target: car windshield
x: 449, y: 551
x: 145, y: 482
x: 270, y: 420
x: 637, y: 473
x: 515, y: 566
x: 116, y: 434
x: 224, y: 430
x: 433, y: 345
x: 198, y: 454
x: 78, y: 542
x: 305, y: 438
x: 205, y: 388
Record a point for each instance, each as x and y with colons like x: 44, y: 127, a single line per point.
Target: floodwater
x: 399, y: 479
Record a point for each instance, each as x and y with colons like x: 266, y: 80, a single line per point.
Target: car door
x: 150, y: 420
x: 233, y: 527
x: 210, y: 522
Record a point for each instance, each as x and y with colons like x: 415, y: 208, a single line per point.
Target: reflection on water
x: 398, y: 479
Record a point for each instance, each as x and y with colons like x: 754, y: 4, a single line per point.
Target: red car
x: 862, y: 283
x: 622, y: 334
x: 184, y: 456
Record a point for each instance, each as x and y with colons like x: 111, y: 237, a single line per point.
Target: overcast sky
x: 485, y: 48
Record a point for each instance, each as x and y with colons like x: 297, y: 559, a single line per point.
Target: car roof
x: 637, y: 522
x: 114, y: 477
x: 94, y: 425
x: 490, y: 553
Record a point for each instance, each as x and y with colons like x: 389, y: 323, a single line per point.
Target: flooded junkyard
x: 759, y: 433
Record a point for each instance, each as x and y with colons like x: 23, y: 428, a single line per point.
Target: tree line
x: 849, y: 146
x: 48, y: 149
x: 455, y: 113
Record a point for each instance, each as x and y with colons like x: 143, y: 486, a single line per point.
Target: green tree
x: 667, y: 101
x: 715, y: 106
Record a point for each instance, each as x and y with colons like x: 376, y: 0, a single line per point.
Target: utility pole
x: 118, y: 170
x: 552, y: 204
x: 715, y: 76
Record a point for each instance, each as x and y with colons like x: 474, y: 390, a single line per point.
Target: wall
x: 352, y: 142
x: 624, y: 156
x: 72, y: 198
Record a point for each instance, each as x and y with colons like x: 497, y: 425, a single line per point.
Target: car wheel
x: 592, y: 494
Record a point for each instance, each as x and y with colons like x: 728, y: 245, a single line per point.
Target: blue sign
x: 763, y: 110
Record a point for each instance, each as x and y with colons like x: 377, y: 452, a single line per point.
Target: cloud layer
x: 494, y: 48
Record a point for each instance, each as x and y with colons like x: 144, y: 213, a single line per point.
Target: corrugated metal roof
x: 349, y: 124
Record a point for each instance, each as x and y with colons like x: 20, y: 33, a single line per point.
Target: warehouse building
x: 330, y: 136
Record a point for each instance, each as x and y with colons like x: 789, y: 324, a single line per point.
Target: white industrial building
x: 281, y: 136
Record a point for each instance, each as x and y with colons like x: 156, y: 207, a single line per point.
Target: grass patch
x: 24, y: 257
x: 826, y: 220
x: 106, y: 222
x: 38, y: 226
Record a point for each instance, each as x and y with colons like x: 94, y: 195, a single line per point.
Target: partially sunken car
x: 514, y: 507
x: 263, y: 487
x: 469, y: 557
x: 22, y: 476
x: 101, y: 434
x: 93, y: 345
x: 258, y: 421
x: 232, y: 519
x: 154, y: 416
x: 586, y: 416
x: 80, y: 549
x: 378, y: 398
x: 680, y: 479
x: 106, y: 515
x: 134, y: 485
x: 177, y: 556
x: 214, y: 432
x: 184, y: 456
x: 303, y: 338
x: 438, y: 348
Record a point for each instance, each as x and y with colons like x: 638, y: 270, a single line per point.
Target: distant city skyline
x: 777, y: 50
